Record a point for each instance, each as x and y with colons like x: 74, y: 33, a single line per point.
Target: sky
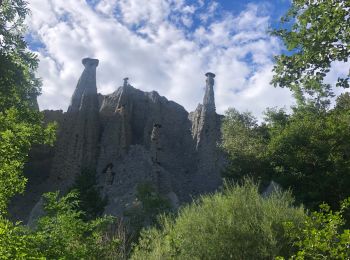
x: 162, y: 45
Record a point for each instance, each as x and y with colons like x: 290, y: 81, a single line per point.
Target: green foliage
x: 12, y: 16
x: 245, y: 142
x: 311, y: 155
x: 152, y: 201
x: 90, y: 199
x: 16, y: 242
x: 20, y: 123
x: 148, y: 205
x: 322, y: 236
x: 316, y: 33
x: 62, y: 234
x: 16, y: 138
x: 307, y: 151
x: 235, y: 224
x: 19, y: 86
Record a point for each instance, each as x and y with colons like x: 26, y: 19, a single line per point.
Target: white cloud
x: 135, y: 12
x: 150, y: 42
x: 107, y: 6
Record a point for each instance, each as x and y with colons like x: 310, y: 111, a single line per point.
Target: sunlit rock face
x: 131, y: 137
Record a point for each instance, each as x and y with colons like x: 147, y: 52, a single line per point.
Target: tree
x: 21, y: 123
x: 310, y: 155
x: 306, y: 151
x: 245, y: 143
x: 316, y: 33
x: 91, y: 201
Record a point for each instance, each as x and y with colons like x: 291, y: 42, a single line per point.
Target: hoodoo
x: 128, y: 138
x: 206, y: 134
x: 77, y: 144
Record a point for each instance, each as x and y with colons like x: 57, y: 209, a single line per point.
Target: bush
x: 322, y: 236
x: 62, y: 234
x: 237, y: 223
x: 17, y: 242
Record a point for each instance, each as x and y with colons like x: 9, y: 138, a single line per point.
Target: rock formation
x: 206, y: 134
x: 131, y: 137
x: 77, y: 145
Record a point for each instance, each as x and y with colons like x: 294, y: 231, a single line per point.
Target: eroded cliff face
x: 132, y: 137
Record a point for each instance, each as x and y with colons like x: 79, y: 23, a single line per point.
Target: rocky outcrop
x: 147, y: 139
x: 131, y: 137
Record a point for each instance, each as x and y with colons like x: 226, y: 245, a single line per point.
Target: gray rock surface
x: 132, y: 137
x: 36, y: 213
x: 272, y: 188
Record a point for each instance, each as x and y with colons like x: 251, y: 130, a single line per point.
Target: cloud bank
x: 162, y: 45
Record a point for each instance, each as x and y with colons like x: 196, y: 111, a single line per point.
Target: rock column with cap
x: 85, y: 94
x: 204, y: 118
x: 206, y: 135
x: 126, y: 83
x: 209, y: 100
x: 77, y: 145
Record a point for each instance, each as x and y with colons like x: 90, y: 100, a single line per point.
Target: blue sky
x: 162, y: 45
x: 275, y: 8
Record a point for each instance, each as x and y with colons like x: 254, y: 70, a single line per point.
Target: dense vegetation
x: 20, y: 122
x: 147, y: 206
x: 306, y: 151
x: 237, y: 223
x: 62, y: 234
x: 322, y: 236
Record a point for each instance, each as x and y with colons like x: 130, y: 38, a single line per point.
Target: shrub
x: 62, y: 234
x: 237, y: 223
x: 17, y: 242
x: 322, y: 236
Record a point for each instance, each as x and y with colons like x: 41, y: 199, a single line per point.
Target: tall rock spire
x: 204, y: 118
x: 77, y: 144
x: 209, y: 100
x: 206, y: 135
